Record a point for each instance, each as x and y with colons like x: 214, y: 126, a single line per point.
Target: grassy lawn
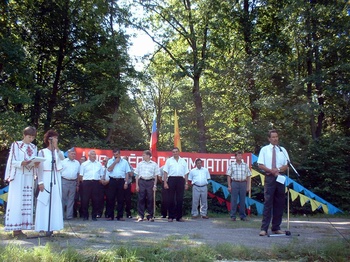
x: 65, y: 247
x: 171, y: 251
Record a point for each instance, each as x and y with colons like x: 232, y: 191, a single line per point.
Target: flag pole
x: 177, y: 140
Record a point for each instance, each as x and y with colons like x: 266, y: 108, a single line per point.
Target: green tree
x: 326, y: 170
x: 182, y: 30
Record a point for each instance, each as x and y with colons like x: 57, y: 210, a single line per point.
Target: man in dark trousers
x: 146, y: 172
x: 91, y: 172
x: 273, y: 160
x: 118, y: 172
x: 175, y: 180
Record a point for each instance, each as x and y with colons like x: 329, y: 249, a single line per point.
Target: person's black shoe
x: 130, y: 217
x: 94, y: 219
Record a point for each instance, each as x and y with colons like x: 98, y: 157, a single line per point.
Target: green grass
x: 167, y: 251
x: 171, y: 248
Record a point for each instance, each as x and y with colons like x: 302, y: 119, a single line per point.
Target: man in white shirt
x: 91, y: 172
x: 175, y: 180
x: 70, y: 183
x: 273, y: 160
x: 199, y: 177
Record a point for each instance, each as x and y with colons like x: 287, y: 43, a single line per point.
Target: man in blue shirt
x: 118, y: 172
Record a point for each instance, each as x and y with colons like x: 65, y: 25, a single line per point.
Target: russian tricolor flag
x: 154, y: 139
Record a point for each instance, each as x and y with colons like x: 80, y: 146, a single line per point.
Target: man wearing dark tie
x: 273, y: 160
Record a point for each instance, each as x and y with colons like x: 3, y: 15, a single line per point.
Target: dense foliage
x: 232, y: 69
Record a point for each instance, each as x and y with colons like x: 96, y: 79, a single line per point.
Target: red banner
x: 216, y: 163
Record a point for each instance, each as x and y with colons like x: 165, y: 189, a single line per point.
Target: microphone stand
x: 288, y: 233
x: 49, y: 232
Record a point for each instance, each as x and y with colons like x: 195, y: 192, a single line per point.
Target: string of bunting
x: 315, y: 201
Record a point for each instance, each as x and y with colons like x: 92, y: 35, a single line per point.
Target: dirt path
x: 103, y: 234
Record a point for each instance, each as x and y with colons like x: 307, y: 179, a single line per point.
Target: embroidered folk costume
x: 19, y: 210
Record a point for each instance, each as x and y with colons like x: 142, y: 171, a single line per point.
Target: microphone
x: 279, y: 148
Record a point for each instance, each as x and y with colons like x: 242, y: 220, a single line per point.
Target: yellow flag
x: 4, y: 197
x: 294, y: 194
x: 314, y: 204
x: 254, y: 173
x: 177, y: 141
x: 325, y: 208
x: 303, y: 199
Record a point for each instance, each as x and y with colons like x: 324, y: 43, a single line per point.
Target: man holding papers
x: 273, y: 159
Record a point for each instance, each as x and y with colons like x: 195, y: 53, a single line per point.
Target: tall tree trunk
x: 36, y: 109
x: 52, y: 101
x: 253, y: 96
x: 313, y: 55
x: 197, y: 99
x: 116, y: 99
x: 318, y: 84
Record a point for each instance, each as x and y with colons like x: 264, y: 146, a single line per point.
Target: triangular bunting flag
x: 255, y: 173
x: 303, y: 199
x: 262, y: 179
x: 293, y: 194
x: 325, y: 208
x: 215, y: 186
x: 297, y: 187
x: 288, y: 181
x: 4, y: 197
x: 220, y: 200
x: 259, y: 207
x: 228, y: 206
x: 225, y: 190
x: 211, y: 195
x: 314, y: 204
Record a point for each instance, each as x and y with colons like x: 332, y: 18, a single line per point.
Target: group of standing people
x: 56, y: 182
x: 25, y: 166
x: 59, y: 180
x: 273, y: 160
x: 174, y: 176
x: 111, y: 182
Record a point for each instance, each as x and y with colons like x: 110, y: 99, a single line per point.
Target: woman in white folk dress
x: 49, y: 181
x: 19, y: 173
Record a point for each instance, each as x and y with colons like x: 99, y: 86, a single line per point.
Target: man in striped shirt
x: 238, y: 182
x: 146, y: 172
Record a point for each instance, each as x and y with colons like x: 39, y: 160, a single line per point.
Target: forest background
x: 233, y: 69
